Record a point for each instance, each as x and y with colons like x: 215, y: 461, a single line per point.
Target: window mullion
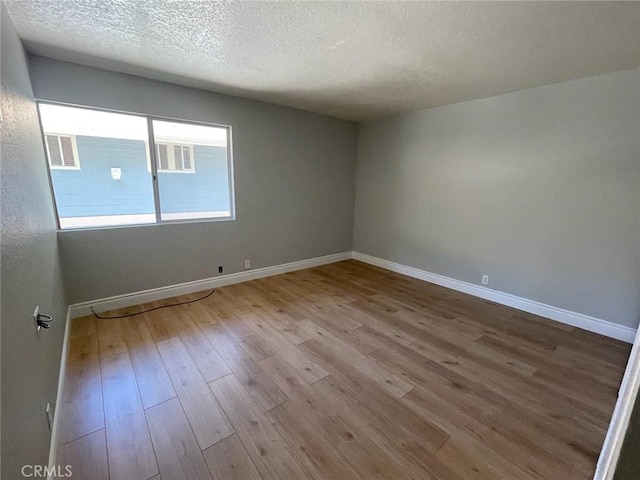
x: 62, y: 162
x: 154, y: 168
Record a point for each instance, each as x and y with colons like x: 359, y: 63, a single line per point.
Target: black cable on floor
x: 154, y: 308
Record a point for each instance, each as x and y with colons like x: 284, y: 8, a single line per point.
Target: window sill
x: 226, y: 218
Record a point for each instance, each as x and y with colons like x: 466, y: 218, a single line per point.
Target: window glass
x: 67, y: 151
x: 55, y: 156
x: 186, y: 159
x: 112, y: 185
x: 197, y: 182
x: 163, y: 157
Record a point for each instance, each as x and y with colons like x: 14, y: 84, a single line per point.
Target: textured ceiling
x: 353, y: 60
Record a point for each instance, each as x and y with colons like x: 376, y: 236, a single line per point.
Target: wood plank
x: 523, y: 455
x: 229, y: 460
x: 82, y: 409
x: 313, y: 450
x: 468, y: 433
x: 111, y: 335
x: 205, y: 416
x: 131, y: 454
x: 579, y: 444
x: 206, y: 358
x: 235, y: 315
x: 402, y: 447
x: 152, y: 378
x: 467, y: 466
x: 203, y: 314
x: 268, y: 309
x: 575, y: 385
x: 303, y: 365
x: 392, y: 419
x: 86, y: 457
x: 179, y: 456
x: 373, y: 322
x: 584, y: 362
x: 527, y: 391
x: 563, y: 360
x: 459, y: 390
x: 83, y: 326
x: 261, y: 388
x: 266, y: 447
x: 333, y: 349
x: 159, y: 327
x: 339, y: 425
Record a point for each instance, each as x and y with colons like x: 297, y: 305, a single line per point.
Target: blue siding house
x: 91, y: 189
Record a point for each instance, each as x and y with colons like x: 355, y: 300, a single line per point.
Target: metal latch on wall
x: 41, y: 320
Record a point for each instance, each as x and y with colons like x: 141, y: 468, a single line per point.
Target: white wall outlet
x: 485, y: 279
x: 49, y: 412
x: 247, y: 264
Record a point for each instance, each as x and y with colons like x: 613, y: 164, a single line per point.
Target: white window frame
x: 74, y: 150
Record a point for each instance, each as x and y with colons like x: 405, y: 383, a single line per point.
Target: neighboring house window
x: 121, y: 154
x: 175, y: 158
x: 163, y: 157
x: 62, y: 151
x: 182, y: 154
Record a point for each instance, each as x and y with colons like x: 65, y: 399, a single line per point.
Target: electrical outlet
x: 220, y: 269
x: 247, y: 264
x: 485, y: 279
x: 49, y: 412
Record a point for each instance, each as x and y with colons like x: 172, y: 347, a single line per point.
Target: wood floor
x: 337, y: 372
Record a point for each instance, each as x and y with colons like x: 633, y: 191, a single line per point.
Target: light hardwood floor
x: 337, y: 372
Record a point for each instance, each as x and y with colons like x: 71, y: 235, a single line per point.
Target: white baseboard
x: 597, y: 325
x: 55, y: 428
x: 130, y: 299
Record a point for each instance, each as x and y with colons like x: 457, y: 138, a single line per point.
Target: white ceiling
x: 353, y: 60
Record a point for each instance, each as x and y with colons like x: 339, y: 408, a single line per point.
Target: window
x: 175, y: 158
x: 61, y: 151
x: 163, y: 157
x: 182, y: 157
x: 129, y: 166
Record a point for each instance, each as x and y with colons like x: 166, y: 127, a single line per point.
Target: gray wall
x: 30, y: 269
x: 539, y: 189
x: 294, y: 187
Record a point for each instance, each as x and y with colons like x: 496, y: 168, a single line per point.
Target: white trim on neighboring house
x: 136, y: 298
x: 597, y: 325
x: 629, y: 390
x: 192, y: 141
